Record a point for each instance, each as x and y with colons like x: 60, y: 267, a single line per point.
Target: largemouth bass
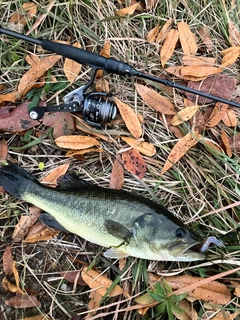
x: 127, y: 224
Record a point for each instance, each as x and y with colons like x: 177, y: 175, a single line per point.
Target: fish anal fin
x: 50, y: 221
x: 115, y: 253
x: 118, y: 230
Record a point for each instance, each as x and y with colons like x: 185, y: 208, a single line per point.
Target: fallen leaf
x: 217, y: 114
x: 155, y: 100
x: 230, y: 58
x: 165, y: 30
x: 37, y: 317
x: 234, y: 35
x: 20, y: 301
x: 30, y: 8
x: 3, y: 150
x: 180, y: 149
x: 84, y: 127
x: 198, y: 61
x: 52, y: 177
x: 235, y: 141
x: 219, y: 85
x: 168, y: 46
x: 205, y: 37
x: 74, y: 153
x: 105, y: 52
x: 128, y: 10
x: 143, y: 147
x: 212, y: 144
x: 76, y: 142
x: 199, y: 71
x: 189, y: 313
x: 134, y: 163
x: 100, y: 283
x: 94, y: 303
x: 102, y: 85
x: 187, y: 38
x: 7, y: 261
x: 73, y: 277
x: 61, y: 122
x: 130, y: 118
x: 72, y: 68
x: 35, y: 72
x: 9, y: 286
x: 184, y: 115
x: 152, y: 34
x: 40, y: 232
x: 225, y: 141
x: 32, y: 59
x: 9, y: 97
x: 229, y: 118
x: 117, y: 174
x: 22, y: 228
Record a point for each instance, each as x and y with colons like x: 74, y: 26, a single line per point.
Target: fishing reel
x: 96, y: 107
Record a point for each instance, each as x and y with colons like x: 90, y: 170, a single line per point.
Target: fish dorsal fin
x: 72, y: 182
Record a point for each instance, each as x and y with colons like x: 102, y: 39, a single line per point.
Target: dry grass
x: 201, y: 182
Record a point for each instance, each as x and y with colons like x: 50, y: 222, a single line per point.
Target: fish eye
x: 180, y: 233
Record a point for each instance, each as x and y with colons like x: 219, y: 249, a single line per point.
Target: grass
x: 200, y: 182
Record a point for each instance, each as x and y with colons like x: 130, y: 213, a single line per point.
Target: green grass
x: 200, y: 182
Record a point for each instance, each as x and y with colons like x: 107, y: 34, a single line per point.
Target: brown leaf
x: 217, y: 114
x: 198, y: 61
x: 117, y: 174
x: 7, y: 261
x: 35, y: 72
x: 180, y: 149
x: 73, y: 277
x: 152, y: 34
x: 52, y: 177
x: 164, y: 31
x: 9, y: 97
x: 37, y: 317
x: 75, y: 153
x: 219, y: 85
x: 72, y: 68
x: 30, y: 8
x: 199, y: 71
x: 32, y: 59
x: 187, y: 39
x: 143, y: 147
x: 155, y: 100
x: 134, y: 163
x: 231, y: 57
x: 22, y: 228
x: 130, y: 118
x: 3, y: 150
x: 184, y: 115
x: 9, y: 286
x: 205, y: 37
x: 229, y: 118
x: 76, y: 142
x: 168, y: 46
x: 166, y: 120
x: 102, y: 85
x: 20, y: 301
x: 235, y: 141
x: 39, y: 232
x: 84, y: 127
x: 128, y: 10
x: 234, y: 35
x: 189, y: 313
x: 105, y: 52
x: 100, y: 283
x: 225, y: 140
x: 61, y: 122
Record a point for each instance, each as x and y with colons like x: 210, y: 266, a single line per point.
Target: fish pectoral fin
x: 115, y: 253
x: 118, y: 230
x: 50, y: 221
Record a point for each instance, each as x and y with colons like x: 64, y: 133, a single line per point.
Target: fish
x: 123, y: 222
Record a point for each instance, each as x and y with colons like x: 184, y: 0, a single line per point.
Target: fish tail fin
x: 14, y: 179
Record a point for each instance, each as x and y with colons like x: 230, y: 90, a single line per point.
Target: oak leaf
x: 180, y: 149
x: 130, y: 118
x: 155, y: 100
x: 76, y: 142
x: 72, y: 68
x: 134, y: 163
x: 187, y: 39
x: 100, y: 283
x: 168, y: 46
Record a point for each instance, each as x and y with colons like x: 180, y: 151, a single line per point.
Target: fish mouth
x: 184, y: 249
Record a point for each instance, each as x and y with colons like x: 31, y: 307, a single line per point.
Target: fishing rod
x: 96, y: 107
